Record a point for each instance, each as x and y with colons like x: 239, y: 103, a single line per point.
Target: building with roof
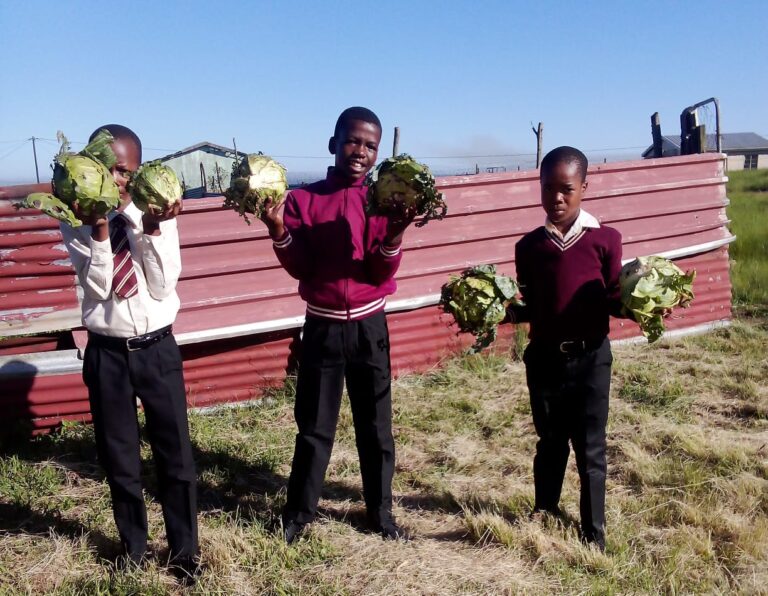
x: 204, y: 169
x: 745, y: 150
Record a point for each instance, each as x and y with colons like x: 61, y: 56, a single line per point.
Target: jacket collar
x: 336, y: 180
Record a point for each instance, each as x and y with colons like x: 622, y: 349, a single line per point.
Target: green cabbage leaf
x: 399, y: 183
x: 649, y: 287
x: 154, y: 187
x: 256, y: 178
x: 478, y: 300
x: 83, y: 178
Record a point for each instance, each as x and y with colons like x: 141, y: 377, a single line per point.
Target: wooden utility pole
x: 34, y: 152
x: 539, y: 142
x: 396, y: 143
x: 658, y: 148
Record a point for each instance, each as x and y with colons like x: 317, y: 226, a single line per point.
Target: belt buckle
x: 128, y: 344
x: 565, y: 345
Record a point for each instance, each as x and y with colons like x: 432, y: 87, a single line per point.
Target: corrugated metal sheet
x: 241, y: 314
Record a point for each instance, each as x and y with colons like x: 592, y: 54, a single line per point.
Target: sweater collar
x: 583, y: 220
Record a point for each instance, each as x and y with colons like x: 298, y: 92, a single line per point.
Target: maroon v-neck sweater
x: 569, y: 291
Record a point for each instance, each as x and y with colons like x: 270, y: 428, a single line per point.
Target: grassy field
x: 748, y: 192
x: 687, y: 487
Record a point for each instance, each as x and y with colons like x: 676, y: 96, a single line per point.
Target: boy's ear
x: 584, y: 186
x: 332, y: 145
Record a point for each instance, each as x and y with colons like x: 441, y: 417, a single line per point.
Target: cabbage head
x: 649, y: 286
x: 478, y: 301
x: 399, y: 183
x: 256, y: 178
x: 154, y: 187
x: 79, y: 177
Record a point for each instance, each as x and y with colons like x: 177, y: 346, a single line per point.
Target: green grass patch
x: 687, y: 491
x: 748, y: 211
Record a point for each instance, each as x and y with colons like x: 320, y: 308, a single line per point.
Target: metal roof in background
x: 730, y: 141
x: 241, y: 313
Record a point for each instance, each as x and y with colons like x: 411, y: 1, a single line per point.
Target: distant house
x: 745, y: 150
x: 204, y: 169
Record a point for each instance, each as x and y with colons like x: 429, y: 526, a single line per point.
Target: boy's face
x: 127, y: 154
x: 561, y: 192
x: 356, y: 148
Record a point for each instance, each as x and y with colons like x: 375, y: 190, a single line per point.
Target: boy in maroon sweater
x: 345, y: 262
x: 568, y: 271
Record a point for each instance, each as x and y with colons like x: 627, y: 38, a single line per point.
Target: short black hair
x: 355, y: 113
x: 119, y: 132
x: 566, y: 154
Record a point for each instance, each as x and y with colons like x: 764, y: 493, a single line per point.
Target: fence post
x: 539, y: 141
x: 396, y: 143
x: 658, y: 148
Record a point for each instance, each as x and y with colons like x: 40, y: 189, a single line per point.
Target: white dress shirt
x: 157, y: 262
x: 583, y: 220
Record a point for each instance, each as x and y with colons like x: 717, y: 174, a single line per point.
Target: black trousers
x: 115, y: 377
x: 569, y: 401
x: 332, y: 352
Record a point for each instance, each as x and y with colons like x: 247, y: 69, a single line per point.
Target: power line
x: 14, y: 149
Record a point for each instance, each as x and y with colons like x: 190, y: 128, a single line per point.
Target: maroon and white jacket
x: 336, y: 251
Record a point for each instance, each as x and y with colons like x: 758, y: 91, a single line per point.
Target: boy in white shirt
x: 128, y: 264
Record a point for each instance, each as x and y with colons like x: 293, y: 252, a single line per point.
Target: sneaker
x: 292, y: 529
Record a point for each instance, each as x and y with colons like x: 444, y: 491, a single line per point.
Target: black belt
x: 571, y: 347
x: 131, y: 344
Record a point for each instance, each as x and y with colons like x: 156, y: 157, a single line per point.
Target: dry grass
x: 687, y: 491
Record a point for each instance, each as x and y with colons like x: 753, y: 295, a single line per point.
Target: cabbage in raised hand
x: 256, y: 178
x: 83, y: 178
x: 650, y: 286
x: 401, y: 183
x: 478, y: 301
x: 154, y: 187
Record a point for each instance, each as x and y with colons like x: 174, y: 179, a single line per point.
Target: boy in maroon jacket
x: 345, y: 262
x: 568, y: 272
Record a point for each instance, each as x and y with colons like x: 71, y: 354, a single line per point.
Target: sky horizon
x: 463, y: 81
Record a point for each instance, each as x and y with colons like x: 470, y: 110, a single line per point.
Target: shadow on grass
x: 20, y: 520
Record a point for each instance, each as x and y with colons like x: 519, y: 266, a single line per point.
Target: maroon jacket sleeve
x: 292, y: 249
x: 611, y: 270
x: 381, y: 260
x: 518, y: 313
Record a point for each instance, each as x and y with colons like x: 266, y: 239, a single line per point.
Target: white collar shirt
x: 157, y: 263
x: 583, y: 220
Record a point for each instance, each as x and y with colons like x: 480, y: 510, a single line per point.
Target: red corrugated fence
x: 241, y: 315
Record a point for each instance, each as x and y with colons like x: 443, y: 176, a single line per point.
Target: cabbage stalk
x: 650, y: 286
x: 255, y: 179
x: 83, y: 178
x: 478, y: 300
x: 401, y: 183
x: 154, y: 187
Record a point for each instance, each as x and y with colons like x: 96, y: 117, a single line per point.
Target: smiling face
x: 128, y: 157
x: 562, y: 188
x: 356, y: 147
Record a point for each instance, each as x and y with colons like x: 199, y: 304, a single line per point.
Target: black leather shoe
x: 292, y: 530
x: 389, y: 530
x: 126, y: 562
x: 595, y: 540
x: 186, y: 570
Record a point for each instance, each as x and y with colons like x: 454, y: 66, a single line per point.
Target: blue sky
x: 458, y: 78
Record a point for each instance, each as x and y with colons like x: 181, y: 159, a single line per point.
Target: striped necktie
x: 124, y: 282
